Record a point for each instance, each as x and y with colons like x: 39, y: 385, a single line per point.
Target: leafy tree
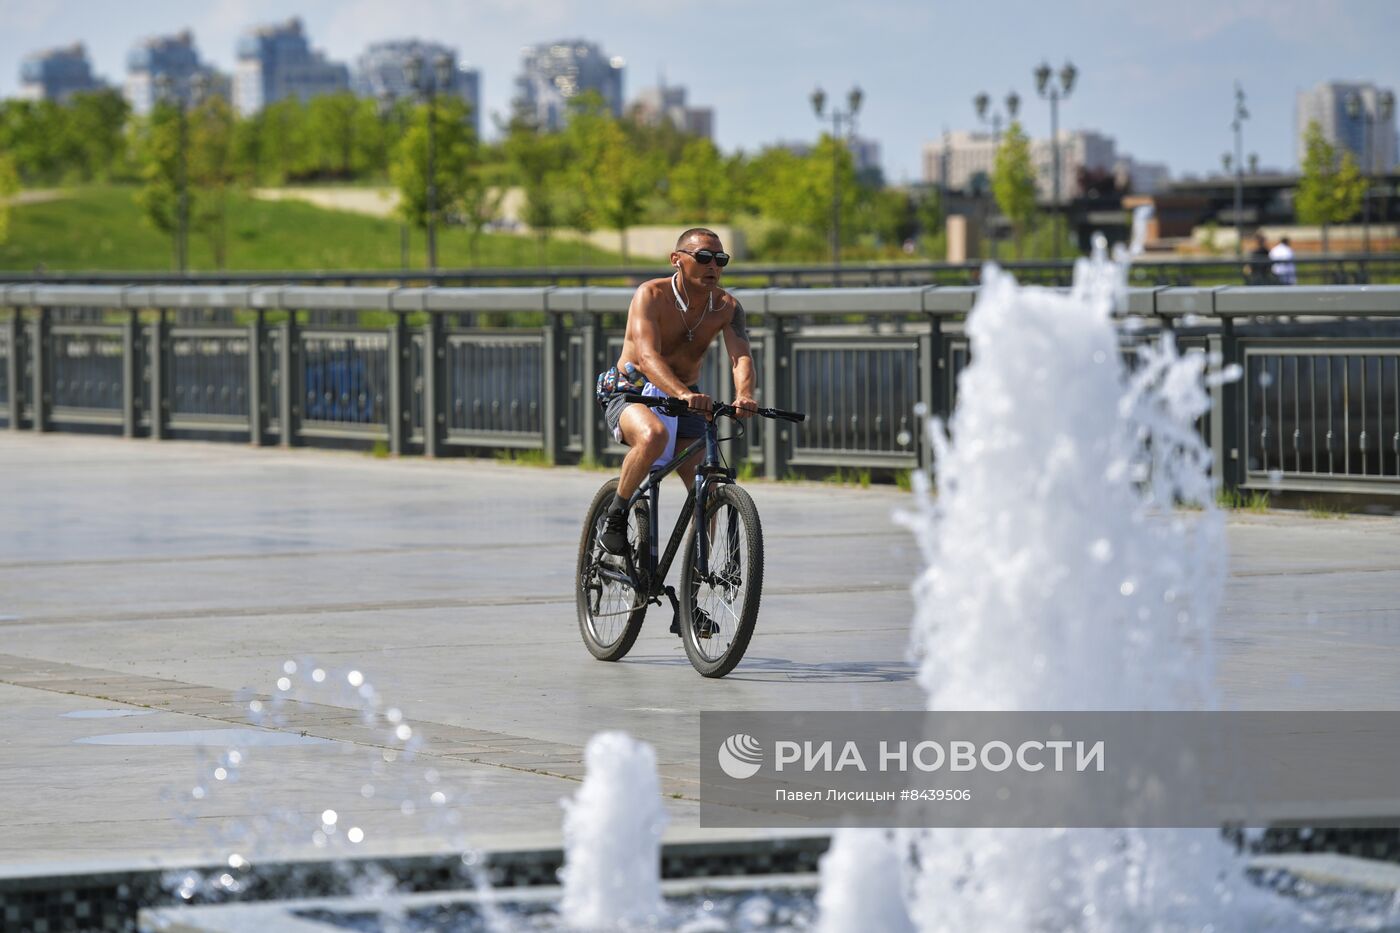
x: 330, y: 129
x: 1328, y: 193
x: 1013, y: 183
x: 9, y: 187
x: 212, y: 170
x: 454, y: 160
x: 95, y: 121
x: 285, y: 148
x: 370, y: 133
x: 160, y: 158
x: 701, y: 190
x: 537, y: 160
x: 613, y: 179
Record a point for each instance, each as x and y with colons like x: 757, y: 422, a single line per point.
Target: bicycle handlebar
x: 675, y: 406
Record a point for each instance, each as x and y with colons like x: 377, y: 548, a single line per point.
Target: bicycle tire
x: 727, y: 504
x: 591, y: 624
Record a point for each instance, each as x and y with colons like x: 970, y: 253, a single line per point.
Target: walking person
x: 1285, y: 272
x: 1257, y: 271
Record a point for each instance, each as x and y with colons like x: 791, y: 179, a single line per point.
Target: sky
x: 1157, y: 76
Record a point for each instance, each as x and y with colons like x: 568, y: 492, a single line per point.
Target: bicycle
x: 724, y: 569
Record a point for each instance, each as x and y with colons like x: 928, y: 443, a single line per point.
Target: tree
x: 1327, y: 193
x: 95, y: 121
x: 700, y: 189
x: 9, y: 187
x: 212, y: 170
x: 330, y: 130
x: 454, y: 159
x: 159, y: 156
x: 612, y: 176
x: 537, y: 159
x: 1013, y: 183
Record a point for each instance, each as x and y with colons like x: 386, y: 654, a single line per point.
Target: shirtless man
x: 670, y: 325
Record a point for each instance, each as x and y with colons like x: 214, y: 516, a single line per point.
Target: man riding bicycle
x: 670, y: 324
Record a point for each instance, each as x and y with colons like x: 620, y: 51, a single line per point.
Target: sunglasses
x: 703, y: 256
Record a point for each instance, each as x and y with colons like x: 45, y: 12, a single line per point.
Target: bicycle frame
x: 708, y: 473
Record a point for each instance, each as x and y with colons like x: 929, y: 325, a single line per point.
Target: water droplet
x: 318, y: 675
x: 431, y: 776
x: 1266, y: 378
x: 226, y: 880
x: 328, y: 817
x: 289, y: 667
x: 197, y: 793
x: 403, y: 732
x: 220, y: 774
x: 438, y: 798
x: 355, y: 678
x: 1099, y: 356
x: 367, y: 791
x: 283, y: 683
x: 903, y: 438
x: 355, y: 834
x: 920, y: 409
x: 392, y: 714
x: 318, y: 838
x: 390, y: 755
x: 235, y: 757
x: 237, y: 861
x: 1275, y: 478
x: 1101, y: 550
x: 255, y: 706
x: 408, y: 808
x: 1127, y: 588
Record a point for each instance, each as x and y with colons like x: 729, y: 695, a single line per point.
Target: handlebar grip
x: 796, y: 417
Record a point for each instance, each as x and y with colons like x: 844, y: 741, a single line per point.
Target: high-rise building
x: 57, y: 74
x: 276, y: 62
x: 971, y: 160
x: 173, y: 58
x: 382, y: 73
x: 668, y: 103
x: 554, y: 73
x: 1369, y: 134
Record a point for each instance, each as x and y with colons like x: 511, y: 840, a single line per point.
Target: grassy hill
x: 101, y: 228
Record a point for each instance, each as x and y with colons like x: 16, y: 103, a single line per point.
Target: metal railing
x: 1331, y: 269
x: 416, y: 370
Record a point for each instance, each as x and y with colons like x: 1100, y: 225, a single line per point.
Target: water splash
x: 862, y: 884
x: 612, y: 838
x: 1063, y: 573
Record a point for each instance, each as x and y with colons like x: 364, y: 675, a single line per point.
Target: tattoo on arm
x: 739, y: 322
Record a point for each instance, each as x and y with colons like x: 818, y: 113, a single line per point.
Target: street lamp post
x: 981, y: 103
x: 429, y: 85
x: 1237, y: 124
x: 839, y: 118
x: 1047, y: 89
x: 1356, y: 107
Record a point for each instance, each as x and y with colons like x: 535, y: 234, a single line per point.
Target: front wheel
x: 720, y: 606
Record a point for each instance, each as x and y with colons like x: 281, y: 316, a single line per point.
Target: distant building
x: 171, y: 57
x: 971, y: 160
x: 1369, y: 136
x: 276, y: 63
x: 57, y: 74
x: 382, y: 73
x: 554, y: 73
x: 865, y: 153
x: 668, y: 103
x: 1141, y: 177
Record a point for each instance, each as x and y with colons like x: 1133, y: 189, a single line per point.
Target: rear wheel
x: 719, y: 608
x: 610, y: 612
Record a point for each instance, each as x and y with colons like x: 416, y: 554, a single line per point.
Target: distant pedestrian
x: 1257, y: 271
x: 1284, y: 270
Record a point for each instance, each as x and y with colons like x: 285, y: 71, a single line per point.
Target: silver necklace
x: 681, y: 306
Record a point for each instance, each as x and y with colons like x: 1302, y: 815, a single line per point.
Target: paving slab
x: 176, y: 580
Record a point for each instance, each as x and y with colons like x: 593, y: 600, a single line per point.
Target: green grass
x: 101, y: 228
x: 904, y: 479
x: 1327, y: 512
x: 1239, y: 499
x: 747, y: 471
x: 852, y: 477
x: 523, y: 457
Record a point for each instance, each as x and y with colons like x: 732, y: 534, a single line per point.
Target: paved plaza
x: 149, y: 590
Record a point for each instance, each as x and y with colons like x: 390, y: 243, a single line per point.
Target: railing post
x: 1227, y: 460
x: 130, y: 372
x: 289, y: 377
x: 13, y: 369
x: 434, y: 386
x: 257, y: 379
x: 400, y: 413
x: 156, y: 337
x: 931, y: 354
x: 777, y: 358
x: 39, y: 350
x: 590, y: 357
x: 724, y: 392
x: 555, y: 355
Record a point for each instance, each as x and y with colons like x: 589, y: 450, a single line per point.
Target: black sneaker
x: 614, y: 536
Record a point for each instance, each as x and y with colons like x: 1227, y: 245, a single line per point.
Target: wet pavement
x: 175, y: 580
